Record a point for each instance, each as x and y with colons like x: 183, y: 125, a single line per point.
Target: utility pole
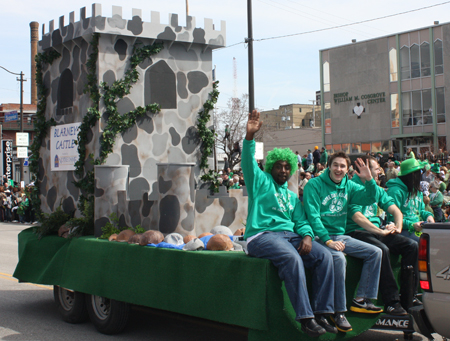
x: 21, y: 80
x: 249, y: 41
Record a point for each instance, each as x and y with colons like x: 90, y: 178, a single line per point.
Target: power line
x: 355, y: 23
x: 339, y: 26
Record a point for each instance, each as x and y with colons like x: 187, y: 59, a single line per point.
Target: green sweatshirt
x: 370, y: 212
x: 271, y: 207
x: 326, y: 203
x: 413, y: 210
x: 324, y: 158
x: 437, y: 200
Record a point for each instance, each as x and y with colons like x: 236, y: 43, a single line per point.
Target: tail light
x: 424, y: 263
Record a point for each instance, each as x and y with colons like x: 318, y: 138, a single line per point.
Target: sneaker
x: 395, y: 309
x: 311, y: 328
x: 366, y: 306
x: 341, y: 322
x: 323, y: 322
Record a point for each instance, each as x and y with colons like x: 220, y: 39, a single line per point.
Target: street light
x: 21, y: 80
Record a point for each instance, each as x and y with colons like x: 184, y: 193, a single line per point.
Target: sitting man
x: 326, y: 199
x: 277, y: 229
x: 363, y: 224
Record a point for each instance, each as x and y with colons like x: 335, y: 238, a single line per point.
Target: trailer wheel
x: 71, y: 305
x: 108, y: 316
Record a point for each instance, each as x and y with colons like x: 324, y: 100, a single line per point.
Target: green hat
x: 427, y: 167
x: 410, y: 165
x: 380, y: 153
x: 435, y: 168
x: 448, y: 161
x: 396, y: 162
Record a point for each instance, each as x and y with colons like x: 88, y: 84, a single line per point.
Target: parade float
x: 124, y: 130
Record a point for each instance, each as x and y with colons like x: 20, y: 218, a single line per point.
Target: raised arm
x: 253, y: 124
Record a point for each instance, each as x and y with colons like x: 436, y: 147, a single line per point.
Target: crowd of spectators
x: 435, y: 184
x: 15, y: 203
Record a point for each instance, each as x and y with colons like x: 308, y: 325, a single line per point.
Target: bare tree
x: 230, y: 128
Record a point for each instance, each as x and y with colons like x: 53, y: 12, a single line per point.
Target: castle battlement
x: 136, y: 27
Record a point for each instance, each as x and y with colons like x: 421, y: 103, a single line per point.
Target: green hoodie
x: 370, y: 212
x: 324, y: 158
x: 413, y: 210
x: 326, y: 203
x: 437, y: 200
x: 271, y: 207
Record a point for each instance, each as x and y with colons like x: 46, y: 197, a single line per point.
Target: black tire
x: 71, y: 305
x: 108, y: 316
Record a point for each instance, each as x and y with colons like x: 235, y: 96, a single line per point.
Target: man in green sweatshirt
x: 326, y: 199
x: 277, y: 229
x: 364, y: 224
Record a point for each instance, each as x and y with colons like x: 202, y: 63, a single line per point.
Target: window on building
x: 65, y: 93
x: 385, y: 146
x: 299, y: 109
x: 440, y: 105
x: 327, y: 117
x: 303, y: 122
x: 160, y: 86
x: 365, y: 147
x: 426, y: 107
x: 425, y: 59
x: 337, y: 147
x: 356, y: 148
x: 416, y: 97
x: 393, y: 65
x: 376, y: 147
x: 394, y: 111
x: 404, y: 62
x: 326, y: 76
x: 415, y: 61
x: 438, y: 57
x: 346, y: 147
x: 406, y: 106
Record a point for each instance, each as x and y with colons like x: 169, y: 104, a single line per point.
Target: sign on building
x: 22, y: 139
x: 7, y: 155
x: 63, y: 147
x: 11, y: 116
x: 22, y: 152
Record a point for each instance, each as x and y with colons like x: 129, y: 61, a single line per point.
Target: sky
x: 286, y: 70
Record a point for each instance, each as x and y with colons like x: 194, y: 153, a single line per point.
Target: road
x: 28, y: 313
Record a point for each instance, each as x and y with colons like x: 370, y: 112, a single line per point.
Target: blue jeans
x: 408, y: 234
x: 370, y: 274
x: 281, y: 249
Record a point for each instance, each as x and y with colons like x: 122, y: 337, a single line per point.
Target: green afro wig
x: 281, y: 155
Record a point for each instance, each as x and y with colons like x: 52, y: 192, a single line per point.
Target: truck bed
x: 227, y: 287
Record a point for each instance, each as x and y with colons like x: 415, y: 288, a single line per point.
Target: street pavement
x: 28, y: 313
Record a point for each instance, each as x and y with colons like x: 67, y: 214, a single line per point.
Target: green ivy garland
x: 41, y: 126
x: 207, y: 136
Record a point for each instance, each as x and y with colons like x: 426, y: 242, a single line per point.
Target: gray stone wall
x: 179, y: 78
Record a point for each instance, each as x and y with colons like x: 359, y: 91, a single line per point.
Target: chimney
x: 34, y: 26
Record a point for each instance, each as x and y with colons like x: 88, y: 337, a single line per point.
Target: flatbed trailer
x: 101, y: 279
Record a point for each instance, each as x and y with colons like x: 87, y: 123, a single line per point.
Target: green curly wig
x: 281, y: 155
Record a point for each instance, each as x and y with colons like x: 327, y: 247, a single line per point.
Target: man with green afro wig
x: 281, y: 155
x: 277, y: 229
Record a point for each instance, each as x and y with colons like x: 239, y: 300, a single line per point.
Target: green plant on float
x: 112, y: 227
x: 50, y: 223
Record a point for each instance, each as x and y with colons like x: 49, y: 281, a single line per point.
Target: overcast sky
x: 286, y: 69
